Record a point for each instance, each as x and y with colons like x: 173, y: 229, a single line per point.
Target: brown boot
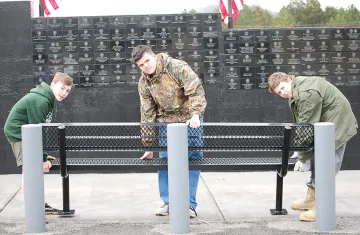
x: 308, y: 216
x: 306, y: 204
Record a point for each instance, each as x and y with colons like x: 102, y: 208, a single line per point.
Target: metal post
x: 325, y: 176
x: 34, y: 199
x: 230, y: 15
x: 41, y: 9
x: 178, y: 167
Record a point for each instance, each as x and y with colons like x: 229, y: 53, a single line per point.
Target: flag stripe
x: 234, y: 10
x: 223, y: 9
x: 239, y: 4
x: 224, y: 12
x: 50, y: 6
x: 46, y: 10
x: 54, y: 4
x: 236, y: 6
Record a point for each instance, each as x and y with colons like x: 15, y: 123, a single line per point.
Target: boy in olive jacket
x: 312, y: 100
x: 34, y: 108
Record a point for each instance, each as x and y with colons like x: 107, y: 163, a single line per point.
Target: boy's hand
x: 50, y: 158
x: 194, y: 122
x: 147, y: 155
x: 295, y: 155
x: 300, y: 166
x: 46, y: 166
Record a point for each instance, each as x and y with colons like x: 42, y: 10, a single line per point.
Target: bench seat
x: 205, y: 164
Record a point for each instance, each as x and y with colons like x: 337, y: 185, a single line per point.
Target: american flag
x: 236, y: 6
x: 50, y: 6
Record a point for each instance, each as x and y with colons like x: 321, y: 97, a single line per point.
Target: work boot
x: 308, y: 203
x: 308, y: 216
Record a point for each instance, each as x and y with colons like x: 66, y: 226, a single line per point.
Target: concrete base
x: 227, y: 202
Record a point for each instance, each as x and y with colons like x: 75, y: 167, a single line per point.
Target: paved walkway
x: 229, y: 203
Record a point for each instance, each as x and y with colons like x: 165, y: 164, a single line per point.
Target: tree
x: 338, y: 20
x: 216, y: 10
x: 328, y: 13
x: 263, y: 18
x: 192, y: 11
x: 313, y: 13
x: 352, y: 15
x: 284, y: 18
x: 297, y: 9
x: 246, y: 18
x: 297, y: 13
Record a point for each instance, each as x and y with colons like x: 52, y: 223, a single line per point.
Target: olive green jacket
x: 316, y: 100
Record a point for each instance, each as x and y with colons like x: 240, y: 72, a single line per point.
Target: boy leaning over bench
x: 312, y: 100
x: 170, y: 91
x: 34, y: 108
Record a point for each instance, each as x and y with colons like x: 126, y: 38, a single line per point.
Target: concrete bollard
x: 34, y: 199
x: 178, y: 167
x: 325, y: 176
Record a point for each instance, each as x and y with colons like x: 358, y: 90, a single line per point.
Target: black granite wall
x: 250, y: 56
x: 96, y: 52
x: 15, y: 66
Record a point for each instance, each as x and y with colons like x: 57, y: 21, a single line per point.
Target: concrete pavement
x: 229, y: 203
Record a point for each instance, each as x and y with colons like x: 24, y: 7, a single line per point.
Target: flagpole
x: 230, y: 14
x: 41, y: 9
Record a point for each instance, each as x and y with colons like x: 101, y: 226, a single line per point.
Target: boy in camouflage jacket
x: 170, y: 91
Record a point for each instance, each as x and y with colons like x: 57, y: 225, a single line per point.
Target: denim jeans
x: 193, y: 174
x: 339, y: 156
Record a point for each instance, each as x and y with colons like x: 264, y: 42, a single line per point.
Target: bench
x: 214, y: 137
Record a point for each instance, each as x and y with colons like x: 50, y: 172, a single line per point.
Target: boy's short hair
x: 139, y: 51
x: 63, y: 78
x: 275, y: 79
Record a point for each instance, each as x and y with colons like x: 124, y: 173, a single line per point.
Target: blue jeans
x: 193, y: 174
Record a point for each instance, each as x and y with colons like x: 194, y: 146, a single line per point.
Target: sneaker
x: 192, y: 212
x: 163, y: 210
x: 50, y: 210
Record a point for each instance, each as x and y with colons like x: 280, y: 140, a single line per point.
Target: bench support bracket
x: 279, y: 197
x: 64, y: 174
x: 281, y: 173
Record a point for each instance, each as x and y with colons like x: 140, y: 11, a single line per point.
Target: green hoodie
x: 34, y: 108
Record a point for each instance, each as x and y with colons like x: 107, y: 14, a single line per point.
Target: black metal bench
x: 215, y: 137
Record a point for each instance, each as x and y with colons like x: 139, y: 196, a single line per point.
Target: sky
x: 142, y: 7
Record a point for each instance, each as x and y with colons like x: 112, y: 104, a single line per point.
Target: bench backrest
x: 152, y: 137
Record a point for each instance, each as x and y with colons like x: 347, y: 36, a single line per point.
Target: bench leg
x: 64, y: 172
x: 279, y: 197
x: 66, y: 198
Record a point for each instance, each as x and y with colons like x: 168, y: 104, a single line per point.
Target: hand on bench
x: 147, y: 155
x: 300, y: 166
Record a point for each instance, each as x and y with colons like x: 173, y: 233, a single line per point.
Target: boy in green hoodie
x: 34, y: 108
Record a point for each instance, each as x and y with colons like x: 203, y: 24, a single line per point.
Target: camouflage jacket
x: 173, y: 94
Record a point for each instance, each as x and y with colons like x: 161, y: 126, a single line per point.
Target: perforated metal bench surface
x: 255, y: 163
x: 211, y: 137
x: 158, y: 161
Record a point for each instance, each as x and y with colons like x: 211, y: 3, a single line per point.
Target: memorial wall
x: 16, y: 77
x: 234, y: 66
x: 96, y: 51
x: 252, y: 55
